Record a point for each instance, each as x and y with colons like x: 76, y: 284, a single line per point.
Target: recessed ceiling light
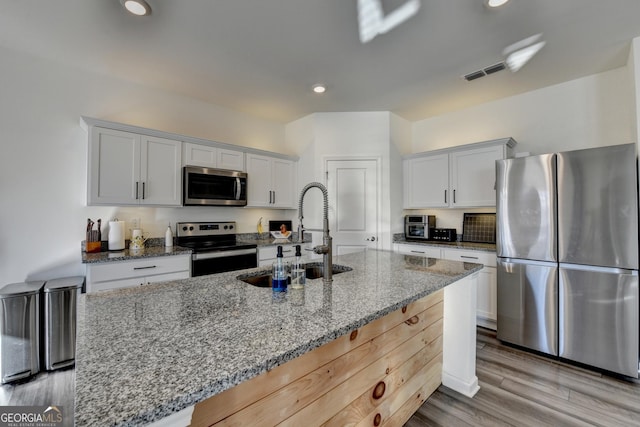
x: 319, y: 88
x: 494, y: 3
x: 137, y: 7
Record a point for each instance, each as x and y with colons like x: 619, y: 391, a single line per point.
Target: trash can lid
x: 23, y: 288
x: 64, y: 284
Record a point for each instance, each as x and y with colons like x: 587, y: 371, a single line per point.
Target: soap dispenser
x: 298, y: 273
x: 279, y: 273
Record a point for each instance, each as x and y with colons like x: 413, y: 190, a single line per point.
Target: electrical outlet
x: 135, y: 223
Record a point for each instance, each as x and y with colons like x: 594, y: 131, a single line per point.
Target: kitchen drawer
x: 479, y: 257
x: 139, y: 268
x: 136, y: 281
x: 418, y: 250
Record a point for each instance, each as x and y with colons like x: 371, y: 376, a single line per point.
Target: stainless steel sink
x: 314, y: 269
x: 262, y: 279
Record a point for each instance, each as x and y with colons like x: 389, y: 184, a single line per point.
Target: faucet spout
x: 327, y: 242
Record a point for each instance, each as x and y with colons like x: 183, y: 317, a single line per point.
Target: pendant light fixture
x: 137, y: 7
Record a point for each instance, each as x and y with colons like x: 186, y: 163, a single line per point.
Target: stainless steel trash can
x: 19, y: 330
x: 60, y: 299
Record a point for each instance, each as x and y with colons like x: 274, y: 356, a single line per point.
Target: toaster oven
x: 417, y: 227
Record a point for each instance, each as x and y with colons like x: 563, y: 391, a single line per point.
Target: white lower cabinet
x: 487, y: 299
x: 418, y: 250
x: 125, y: 274
x: 267, y: 254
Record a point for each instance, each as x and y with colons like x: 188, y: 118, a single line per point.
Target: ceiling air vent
x: 485, y: 71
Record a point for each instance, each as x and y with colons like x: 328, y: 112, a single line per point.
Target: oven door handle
x: 224, y: 254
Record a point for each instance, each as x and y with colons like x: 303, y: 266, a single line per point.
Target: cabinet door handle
x: 454, y: 196
x: 274, y: 197
x: 144, y: 268
x: 136, y: 190
x: 468, y: 257
x: 445, y: 196
x: 143, y: 190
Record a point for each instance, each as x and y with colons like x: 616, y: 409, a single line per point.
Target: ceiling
x: 262, y: 56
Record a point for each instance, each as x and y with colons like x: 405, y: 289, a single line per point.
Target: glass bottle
x: 298, y: 274
x: 279, y: 273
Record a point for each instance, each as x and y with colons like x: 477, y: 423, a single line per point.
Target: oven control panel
x: 185, y: 229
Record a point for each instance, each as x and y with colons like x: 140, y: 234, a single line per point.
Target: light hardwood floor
x: 517, y: 388
x: 55, y: 388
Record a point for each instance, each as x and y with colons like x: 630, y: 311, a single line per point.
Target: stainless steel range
x: 215, y: 247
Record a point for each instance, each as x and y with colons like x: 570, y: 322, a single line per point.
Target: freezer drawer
x: 599, y: 318
x: 528, y: 304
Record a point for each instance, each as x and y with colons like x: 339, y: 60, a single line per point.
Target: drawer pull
x: 417, y: 252
x: 144, y: 268
x: 468, y: 257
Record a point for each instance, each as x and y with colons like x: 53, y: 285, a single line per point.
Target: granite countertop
x: 146, y: 352
x: 483, y: 247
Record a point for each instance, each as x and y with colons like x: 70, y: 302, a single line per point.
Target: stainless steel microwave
x: 213, y: 187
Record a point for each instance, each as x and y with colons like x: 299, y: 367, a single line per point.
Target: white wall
x: 44, y: 159
x: 400, y: 144
x: 588, y: 112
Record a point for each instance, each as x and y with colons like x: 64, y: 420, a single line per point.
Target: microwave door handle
x: 237, y: 188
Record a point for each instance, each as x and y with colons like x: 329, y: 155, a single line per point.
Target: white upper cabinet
x: 473, y: 176
x: 455, y: 178
x: 271, y: 182
x: 130, y: 165
x: 160, y: 171
x: 132, y: 169
x: 426, y: 181
x: 212, y: 157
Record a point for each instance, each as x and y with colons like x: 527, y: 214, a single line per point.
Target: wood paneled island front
x: 212, y: 350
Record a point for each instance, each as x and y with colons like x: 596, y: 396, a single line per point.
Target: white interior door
x: 353, y: 201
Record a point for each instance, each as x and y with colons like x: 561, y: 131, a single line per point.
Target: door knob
x: 372, y: 239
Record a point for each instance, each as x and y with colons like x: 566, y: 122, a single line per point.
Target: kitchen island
x: 146, y: 353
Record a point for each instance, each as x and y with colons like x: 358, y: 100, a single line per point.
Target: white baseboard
x: 466, y: 388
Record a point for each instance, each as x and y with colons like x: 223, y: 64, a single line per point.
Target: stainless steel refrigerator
x: 567, y: 242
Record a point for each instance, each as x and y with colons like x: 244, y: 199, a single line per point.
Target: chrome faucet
x: 326, y: 248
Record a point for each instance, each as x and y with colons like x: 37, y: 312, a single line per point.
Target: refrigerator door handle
x: 528, y: 262
x: 597, y: 269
